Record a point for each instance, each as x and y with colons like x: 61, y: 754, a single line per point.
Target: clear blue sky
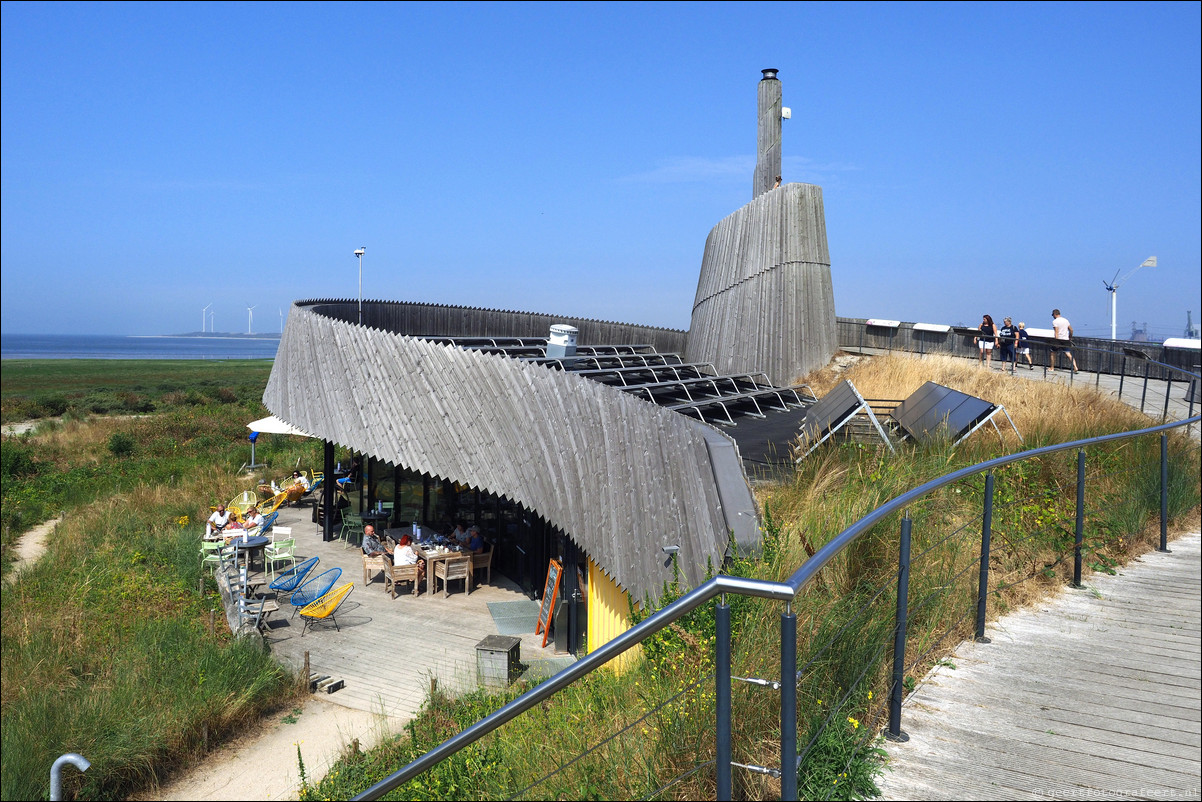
x: 572, y: 158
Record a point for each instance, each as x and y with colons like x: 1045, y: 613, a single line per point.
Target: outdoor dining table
x: 250, y: 545
x: 432, y: 553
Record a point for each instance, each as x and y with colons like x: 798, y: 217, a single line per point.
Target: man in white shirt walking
x: 1064, y: 332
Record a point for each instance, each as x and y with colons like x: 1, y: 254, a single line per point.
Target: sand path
x: 263, y: 764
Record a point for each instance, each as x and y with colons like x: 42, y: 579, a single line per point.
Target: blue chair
x: 291, y: 579
x: 267, y: 522
x: 314, y: 589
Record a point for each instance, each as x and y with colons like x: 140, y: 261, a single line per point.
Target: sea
x: 98, y: 346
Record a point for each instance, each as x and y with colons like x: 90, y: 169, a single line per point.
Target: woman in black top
x: 985, y: 339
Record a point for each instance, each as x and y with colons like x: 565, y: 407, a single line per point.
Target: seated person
x: 372, y: 547
x: 461, y: 535
x: 404, y: 554
x: 475, y: 543
x: 253, y: 520
x: 218, y: 521
x: 299, y: 478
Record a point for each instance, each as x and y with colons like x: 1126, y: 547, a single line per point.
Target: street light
x: 359, y: 252
x: 1112, y: 287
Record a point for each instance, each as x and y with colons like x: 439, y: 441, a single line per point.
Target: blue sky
x: 572, y: 158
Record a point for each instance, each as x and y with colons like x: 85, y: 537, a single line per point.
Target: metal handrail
x: 812, y: 566
x: 718, y: 587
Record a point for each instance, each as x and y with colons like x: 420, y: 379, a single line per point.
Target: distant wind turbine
x: 211, y: 329
x: 203, y: 314
x: 1112, y: 287
x: 281, y: 320
x: 250, y: 318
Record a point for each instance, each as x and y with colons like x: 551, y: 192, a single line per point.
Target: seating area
x: 394, y: 623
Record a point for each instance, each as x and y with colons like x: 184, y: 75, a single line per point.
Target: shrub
x: 121, y: 444
x: 16, y: 459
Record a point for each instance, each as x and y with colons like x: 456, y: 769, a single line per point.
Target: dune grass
x: 106, y: 648
x: 649, y: 732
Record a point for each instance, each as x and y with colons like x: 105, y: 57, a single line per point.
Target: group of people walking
x: 1013, y: 341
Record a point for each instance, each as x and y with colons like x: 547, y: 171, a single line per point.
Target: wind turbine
x: 250, y: 318
x: 281, y: 319
x: 1112, y: 287
x: 211, y: 329
x: 203, y: 314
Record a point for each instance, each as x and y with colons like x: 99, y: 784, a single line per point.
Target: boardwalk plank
x: 1094, y: 693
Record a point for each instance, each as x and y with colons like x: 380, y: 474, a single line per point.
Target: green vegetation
x: 106, y: 646
x: 50, y: 388
x: 106, y: 649
x: 648, y: 732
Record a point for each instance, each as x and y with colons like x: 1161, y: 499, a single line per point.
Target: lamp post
x: 359, y: 252
x: 1113, y: 286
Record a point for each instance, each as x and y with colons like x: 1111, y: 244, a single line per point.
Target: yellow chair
x: 272, y: 504
x: 325, y: 607
x: 243, y: 502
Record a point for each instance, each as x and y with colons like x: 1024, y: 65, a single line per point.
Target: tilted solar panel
x: 937, y: 411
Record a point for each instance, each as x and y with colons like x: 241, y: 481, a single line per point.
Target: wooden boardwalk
x: 1093, y: 694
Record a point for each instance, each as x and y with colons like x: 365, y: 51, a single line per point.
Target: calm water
x: 85, y: 346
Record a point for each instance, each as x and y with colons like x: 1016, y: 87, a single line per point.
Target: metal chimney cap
x: 769, y: 74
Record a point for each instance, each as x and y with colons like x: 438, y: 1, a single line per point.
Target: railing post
x: 1168, y: 390
x: 1144, y: 396
x: 788, y: 705
x: 1122, y: 375
x: 899, y: 635
x: 722, y: 697
x: 1079, y: 530
x: 1164, y: 492
x: 983, y: 578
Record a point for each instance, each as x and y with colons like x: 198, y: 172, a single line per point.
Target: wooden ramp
x: 1093, y: 694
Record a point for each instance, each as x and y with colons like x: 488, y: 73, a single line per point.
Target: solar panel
x: 830, y: 413
x: 937, y: 411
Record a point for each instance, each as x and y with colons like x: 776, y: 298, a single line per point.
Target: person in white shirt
x: 404, y: 554
x: 252, y: 521
x: 1064, y: 333
x: 218, y: 521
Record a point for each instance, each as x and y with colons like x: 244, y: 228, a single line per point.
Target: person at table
x: 404, y: 554
x: 218, y: 521
x: 372, y: 546
x: 475, y: 543
x: 461, y: 536
x: 253, y: 521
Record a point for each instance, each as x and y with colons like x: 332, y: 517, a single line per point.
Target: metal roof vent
x: 563, y: 341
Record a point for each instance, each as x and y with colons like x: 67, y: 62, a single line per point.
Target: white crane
x: 250, y: 318
x: 1112, y: 287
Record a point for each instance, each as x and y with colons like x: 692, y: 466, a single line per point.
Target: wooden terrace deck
x: 1094, y: 694
x: 387, y: 650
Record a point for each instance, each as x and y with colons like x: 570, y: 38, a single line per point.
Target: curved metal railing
x: 785, y: 591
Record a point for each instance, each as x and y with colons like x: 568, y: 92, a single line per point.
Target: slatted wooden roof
x: 622, y: 477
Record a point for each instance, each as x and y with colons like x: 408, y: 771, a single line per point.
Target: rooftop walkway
x: 1092, y: 694
x: 388, y: 650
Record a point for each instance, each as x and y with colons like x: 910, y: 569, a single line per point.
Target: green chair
x: 278, y: 552
x: 352, y: 524
x: 211, y: 554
